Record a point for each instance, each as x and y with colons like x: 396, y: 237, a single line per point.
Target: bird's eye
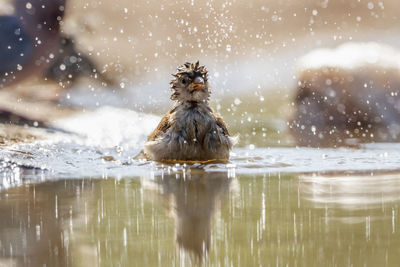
x: 185, y: 80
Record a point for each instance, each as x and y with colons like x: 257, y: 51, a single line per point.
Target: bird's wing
x: 162, y: 127
x: 15, y: 44
x: 222, y: 125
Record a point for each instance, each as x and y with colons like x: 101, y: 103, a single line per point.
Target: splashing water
x: 105, y: 142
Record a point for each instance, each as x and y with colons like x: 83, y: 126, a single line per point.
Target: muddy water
x: 80, y: 198
x: 190, y: 216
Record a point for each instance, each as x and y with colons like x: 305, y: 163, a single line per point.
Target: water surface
x: 79, y: 198
x: 191, y: 216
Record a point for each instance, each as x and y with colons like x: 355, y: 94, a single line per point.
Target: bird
x: 190, y: 131
x: 29, y: 39
x: 72, y: 64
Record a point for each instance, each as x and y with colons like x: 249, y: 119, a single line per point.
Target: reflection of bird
x: 190, y: 131
x: 348, y: 94
x: 71, y: 64
x: 29, y: 39
x: 192, y: 202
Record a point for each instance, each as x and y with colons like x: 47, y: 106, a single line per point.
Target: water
x: 81, y: 198
x: 104, y: 143
x: 191, y: 216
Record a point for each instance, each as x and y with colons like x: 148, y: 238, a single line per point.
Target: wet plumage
x: 190, y: 131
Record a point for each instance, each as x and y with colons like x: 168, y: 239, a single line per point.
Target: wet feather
x: 191, y: 131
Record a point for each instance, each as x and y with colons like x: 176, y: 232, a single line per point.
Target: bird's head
x: 190, y: 83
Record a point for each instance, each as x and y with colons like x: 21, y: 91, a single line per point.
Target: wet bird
x: 29, y: 39
x: 72, y: 64
x: 190, y: 131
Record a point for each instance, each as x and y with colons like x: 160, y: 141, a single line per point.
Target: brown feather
x: 162, y: 127
x: 191, y: 131
x: 222, y: 124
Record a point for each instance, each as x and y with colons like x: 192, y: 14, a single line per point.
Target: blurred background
x: 76, y: 199
x: 138, y: 42
x: 249, y: 47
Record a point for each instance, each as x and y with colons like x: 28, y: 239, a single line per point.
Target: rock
x: 348, y: 94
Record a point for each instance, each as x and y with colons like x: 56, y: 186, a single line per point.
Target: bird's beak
x: 197, y: 84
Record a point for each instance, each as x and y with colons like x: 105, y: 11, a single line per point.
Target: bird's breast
x: 193, y: 124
